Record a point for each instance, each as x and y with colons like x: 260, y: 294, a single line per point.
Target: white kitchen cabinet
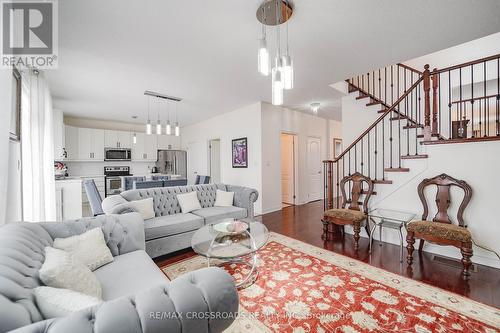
x: 71, y: 142
x: 146, y: 148
x: 117, y: 139
x: 68, y: 199
x: 59, y: 134
x: 90, y: 144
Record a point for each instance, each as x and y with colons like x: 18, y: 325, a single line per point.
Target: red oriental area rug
x: 302, y: 288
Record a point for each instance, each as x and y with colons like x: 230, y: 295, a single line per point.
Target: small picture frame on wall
x: 240, y: 153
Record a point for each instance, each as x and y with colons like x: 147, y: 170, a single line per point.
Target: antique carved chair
x: 441, y: 230
x: 353, y: 211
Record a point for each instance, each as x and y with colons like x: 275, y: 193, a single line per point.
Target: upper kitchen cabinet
x: 71, y: 142
x: 168, y: 142
x: 90, y: 144
x: 117, y: 139
x: 59, y: 145
x: 146, y: 148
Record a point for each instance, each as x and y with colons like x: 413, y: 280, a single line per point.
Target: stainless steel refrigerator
x: 172, y: 162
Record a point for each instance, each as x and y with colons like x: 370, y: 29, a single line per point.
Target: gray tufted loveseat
x: 137, y: 295
x: 171, y: 230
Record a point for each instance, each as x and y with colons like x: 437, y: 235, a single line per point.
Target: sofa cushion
x: 214, y: 214
x: 163, y: 226
x: 128, y: 274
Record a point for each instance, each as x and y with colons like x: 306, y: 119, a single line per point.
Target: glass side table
x: 388, y: 218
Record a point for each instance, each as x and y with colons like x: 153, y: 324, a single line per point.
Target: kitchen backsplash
x: 97, y: 168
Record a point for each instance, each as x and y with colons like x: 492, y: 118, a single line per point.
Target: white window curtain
x: 37, y: 148
x: 6, y: 94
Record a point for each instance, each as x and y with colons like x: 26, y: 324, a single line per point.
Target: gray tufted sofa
x: 171, y: 230
x: 137, y: 295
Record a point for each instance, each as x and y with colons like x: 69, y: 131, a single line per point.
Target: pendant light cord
x: 278, y: 37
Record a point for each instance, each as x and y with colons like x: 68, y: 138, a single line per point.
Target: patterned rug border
x: 447, y: 299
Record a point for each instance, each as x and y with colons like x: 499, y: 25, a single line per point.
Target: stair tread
x: 413, y: 126
x: 382, y: 111
x: 411, y: 157
x: 380, y: 181
x: 397, y: 169
x: 399, y: 118
x: 361, y: 96
x: 373, y: 103
x: 352, y: 88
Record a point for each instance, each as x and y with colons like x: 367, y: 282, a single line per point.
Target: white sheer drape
x: 6, y: 94
x: 37, y: 148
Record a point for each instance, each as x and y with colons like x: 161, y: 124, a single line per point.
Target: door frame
x: 321, y: 169
x: 209, y: 157
x: 295, y: 137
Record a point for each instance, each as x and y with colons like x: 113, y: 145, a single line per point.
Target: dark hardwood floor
x: 304, y: 223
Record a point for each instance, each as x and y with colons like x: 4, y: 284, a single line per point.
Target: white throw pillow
x: 144, y: 207
x: 89, y: 248
x: 56, y: 302
x: 188, y: 202
x: 224, y: 199
x: 61, y: 270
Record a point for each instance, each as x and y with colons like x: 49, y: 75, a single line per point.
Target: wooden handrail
x: 465, y: 64
x: 474, y: 99
x: 410, y: 68
x: 389, y: 110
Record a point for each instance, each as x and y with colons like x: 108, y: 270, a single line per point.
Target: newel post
x: 427, y: 103
x: 329, y: 180
x: 435, y: 87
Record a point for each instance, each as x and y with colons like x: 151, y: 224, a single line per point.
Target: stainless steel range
x: 113, y: 183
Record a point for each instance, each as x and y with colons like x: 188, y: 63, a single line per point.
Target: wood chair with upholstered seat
x: 356, y: 212
x: 441, y: 230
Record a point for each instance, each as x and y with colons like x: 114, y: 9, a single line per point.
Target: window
x: 15, y: 118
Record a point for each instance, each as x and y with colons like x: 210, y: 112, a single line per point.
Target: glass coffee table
x: 221, y: 246
x: 388, y: 218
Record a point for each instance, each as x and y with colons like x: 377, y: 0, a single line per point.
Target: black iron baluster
x: 379, y: 85
x: 325, y: 188
x: 385, y: 85
x: 356, y: 157
x: 368, y: 154
x: 368, y: 75
x: 338, y: 194
x: 498, y: 97
x: 449, y: 105
x: 460, y: 86
x: 399, y: 133
x: 485, y: 99
x: 362, y: 155
x: 373, y: 83
x: 376, y: 150
x: 439, y: 102
x: 472, y: 98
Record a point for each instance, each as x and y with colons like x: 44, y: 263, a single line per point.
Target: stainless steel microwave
x: 117, y: 154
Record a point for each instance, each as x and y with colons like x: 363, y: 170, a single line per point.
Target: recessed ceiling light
x: 134, y: 117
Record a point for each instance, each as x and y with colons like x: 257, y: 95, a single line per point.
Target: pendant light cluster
x: 167, y: 103
x: 275, y: 13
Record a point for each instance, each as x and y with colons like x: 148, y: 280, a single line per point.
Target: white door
x: 215, y: 161
x: 196, y: 154
x: 287, y: 169
x: 314, y: 168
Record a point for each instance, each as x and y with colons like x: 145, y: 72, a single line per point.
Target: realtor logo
x: 29, y: 34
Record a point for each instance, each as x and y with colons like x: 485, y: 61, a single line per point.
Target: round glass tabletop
x: 211, y: 243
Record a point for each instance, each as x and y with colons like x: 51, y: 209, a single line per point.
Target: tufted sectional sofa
x: 171, y: 230
x: 137, y: 295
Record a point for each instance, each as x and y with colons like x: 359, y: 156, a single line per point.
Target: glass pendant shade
x: 168, y: 128
x: 134, y: 139
x: 158, y: 127
x: 263, y: 57
x: 148, y: 128
x: 177, y: 129
x: 287, y: 72
x: 277, y: 87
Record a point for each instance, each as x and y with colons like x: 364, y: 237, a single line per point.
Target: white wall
x: 243, y: 122
x: 5, y: 106
x: 276, y: 120
x: 476, y: 163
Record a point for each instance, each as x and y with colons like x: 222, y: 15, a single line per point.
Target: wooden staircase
x: 412, y: 103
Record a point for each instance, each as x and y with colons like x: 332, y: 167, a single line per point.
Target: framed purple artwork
x: 240, y: 153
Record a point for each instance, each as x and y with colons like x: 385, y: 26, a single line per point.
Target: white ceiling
x: 205, y: 51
